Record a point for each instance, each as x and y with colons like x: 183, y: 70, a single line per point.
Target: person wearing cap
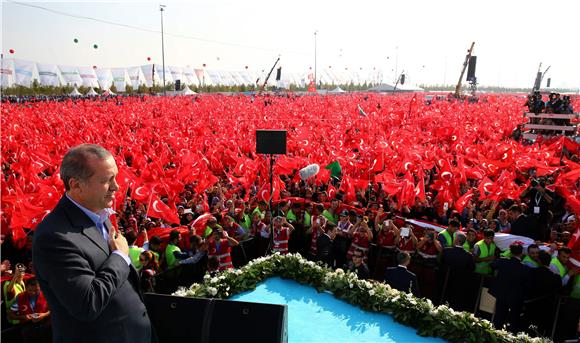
x: 282, y: 231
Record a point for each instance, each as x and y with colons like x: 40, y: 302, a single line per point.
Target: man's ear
x: 74, y: 184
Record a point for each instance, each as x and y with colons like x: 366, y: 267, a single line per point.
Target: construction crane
x: 467, y: 57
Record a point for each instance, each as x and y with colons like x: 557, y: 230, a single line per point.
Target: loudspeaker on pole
x: 471, y: 68
x: 279, y: 74
x: 272, y: 142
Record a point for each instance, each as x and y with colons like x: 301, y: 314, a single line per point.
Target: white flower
x: 206, y: 277
x: 213, y: 280
x: 350, y: 285
x: 339, y: 271
x: 221, y: 277
x: 212, y: 291
x: 372, y: 292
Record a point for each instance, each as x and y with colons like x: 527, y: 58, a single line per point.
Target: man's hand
x: 118, y: 242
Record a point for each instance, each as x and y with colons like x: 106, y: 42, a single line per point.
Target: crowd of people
x: 222, y: 220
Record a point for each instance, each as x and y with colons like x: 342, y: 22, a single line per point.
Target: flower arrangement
x: 429, y: 320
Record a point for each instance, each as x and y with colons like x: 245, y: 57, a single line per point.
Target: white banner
x: 23, y: 73
x: 48, y: 75
x: 70, y: 75
x: 177, y: 74
x: 147, y: 71
x: 190, y: 77
x: 159, y: 71
x: 104, y: 77
x: 202, y: 78
x: 7, y: 72
x: 119, y: 78
x: 88, y: 76
x: 135, y: 77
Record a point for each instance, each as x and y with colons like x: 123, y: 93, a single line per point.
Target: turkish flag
x: 141, y: 193
x: 463, y: 200
x: 158, y: 209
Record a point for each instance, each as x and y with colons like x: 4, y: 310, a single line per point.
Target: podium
x: 180, y: 319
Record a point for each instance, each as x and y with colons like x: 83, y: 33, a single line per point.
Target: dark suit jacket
x: 520, y: 226
x: 457, y: 257
x: 512, y: 280
x: 324, y: 250
x: 402, y: 279
x: 543, y: 282
x: 93, y: 294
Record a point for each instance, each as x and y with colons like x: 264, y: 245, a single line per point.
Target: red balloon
x: 148, y: 58
x: 11, y: 51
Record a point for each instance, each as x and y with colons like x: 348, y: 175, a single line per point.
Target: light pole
x: 161, y: 7
x: 315, y: 32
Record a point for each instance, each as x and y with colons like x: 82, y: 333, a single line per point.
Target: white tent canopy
x: 92, y: 92
x: 187, y: 91
x: 75, y: 92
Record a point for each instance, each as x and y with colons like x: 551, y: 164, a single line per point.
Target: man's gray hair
x: 460, y: 238
x: 75, y: 163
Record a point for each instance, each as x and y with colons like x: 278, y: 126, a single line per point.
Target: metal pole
x: 315, y: 80
x: 162, y: 46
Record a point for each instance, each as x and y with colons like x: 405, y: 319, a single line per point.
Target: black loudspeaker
x: 271, y: 142
x: 538, y: 82
x: 179, y: 319
x: 177, y: 85
x: 402, y: 79
x: 549, y: 82
x: 471, y: 68
x: 279, y: 74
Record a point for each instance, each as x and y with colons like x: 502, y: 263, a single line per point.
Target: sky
x: 427, y: 40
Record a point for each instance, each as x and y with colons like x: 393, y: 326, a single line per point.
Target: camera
x: 20, y: 267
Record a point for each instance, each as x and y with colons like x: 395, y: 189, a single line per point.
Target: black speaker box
x: 179, y: 319
x: 177, y: 85
x: 471, y: 68
x: 279, y: 74
x: 271, y: 142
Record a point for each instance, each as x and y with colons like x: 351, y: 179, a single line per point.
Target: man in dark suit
x: 510, y: 288
x: 519, y: 221
x: 457, y: 281
x: 324, y: 245
x: 400, y: 278
x: 82, y: 264
x: 456, y: 256
x: 544, y: 286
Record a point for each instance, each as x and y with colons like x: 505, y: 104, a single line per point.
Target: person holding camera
x: 361, y: 235
x: 408, y: 241
x: 219, y: 245
x: 428, y: 247
x: 388, y: 235
x: 12, y: 288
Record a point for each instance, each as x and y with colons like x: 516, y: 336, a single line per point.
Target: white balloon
x: 309, y: 171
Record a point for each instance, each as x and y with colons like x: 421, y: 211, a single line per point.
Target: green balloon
x: 95, y: 46
x: 75, y: 40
